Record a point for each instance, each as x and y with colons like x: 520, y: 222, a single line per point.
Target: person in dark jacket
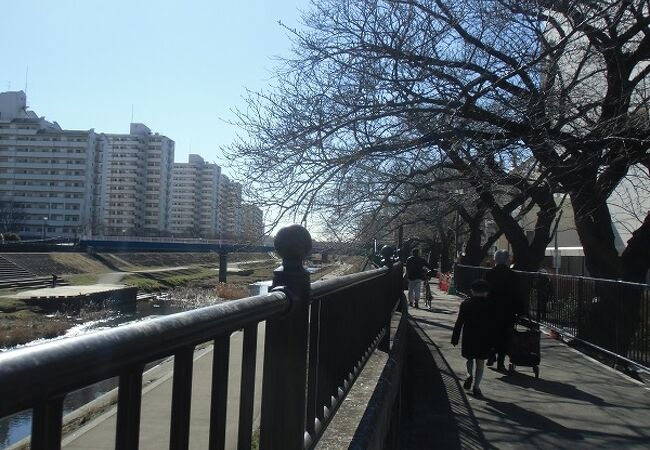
x: 416, y: 274
x: 473, y: 320
x: 506, y: 301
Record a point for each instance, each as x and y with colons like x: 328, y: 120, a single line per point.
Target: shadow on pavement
x: 441, y: 310
x: 529, y: 419
x: 436, y: 411
x: 561, y: 390
x: 432, y: 323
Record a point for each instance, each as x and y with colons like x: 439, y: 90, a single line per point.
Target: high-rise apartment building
x: 46, y: 173
x: 133, y: 178
x: 252, y: 223
x: 195, y: 200
x: 63, y: 183
x: 230, y: 197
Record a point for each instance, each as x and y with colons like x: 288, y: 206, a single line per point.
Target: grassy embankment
x: 20, y: 323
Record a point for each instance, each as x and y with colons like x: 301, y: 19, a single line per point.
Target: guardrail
x: 160, y: 239
x: 610, y: 316
x: 317, y: 340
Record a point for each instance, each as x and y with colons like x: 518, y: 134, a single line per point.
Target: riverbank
x: 165, y: 301
x: 21, y: 323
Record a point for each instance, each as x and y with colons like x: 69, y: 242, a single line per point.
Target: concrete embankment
x: 66, y: 298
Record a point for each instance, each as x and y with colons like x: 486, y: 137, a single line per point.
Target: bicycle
x: 427, y: 288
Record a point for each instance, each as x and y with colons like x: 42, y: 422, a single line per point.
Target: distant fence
x: 317, y: 339
x: 613, y: 316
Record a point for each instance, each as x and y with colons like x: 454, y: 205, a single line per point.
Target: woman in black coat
x: 506, y: 300
x: 474, y: 322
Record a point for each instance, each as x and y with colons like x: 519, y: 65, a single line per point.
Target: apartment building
x: 65, y: 183
x: 195, y: 199
x: 133, y: 178
x: 252, y: 223
x: 46, y: 173
x: 230, y: 197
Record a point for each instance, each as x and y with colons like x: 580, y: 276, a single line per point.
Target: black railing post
x: 223, y: 266
x: 285, y: 359
x: 388, y: 280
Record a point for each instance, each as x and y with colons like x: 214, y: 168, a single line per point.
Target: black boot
x: 501, y: 367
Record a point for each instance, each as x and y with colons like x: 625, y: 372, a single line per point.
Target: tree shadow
x: 436, y: 411
x: 432, y: 323
x: 442, y: 311
x: 530, y: 419
x: 551, y: 387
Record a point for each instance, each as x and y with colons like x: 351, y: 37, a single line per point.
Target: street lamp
x: 44, y: 224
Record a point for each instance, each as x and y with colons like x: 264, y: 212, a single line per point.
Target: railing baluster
x: 312, y: 371
x: 219, y: 402
x: 181, y: 399
x: 127, y: 434
x: 247, y: 393
x: 325, y: 367
x: 285, y: 349
x: 47, y: 420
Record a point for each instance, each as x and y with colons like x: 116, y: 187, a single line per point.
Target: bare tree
x: 382, y: 91
x: 10, y: 216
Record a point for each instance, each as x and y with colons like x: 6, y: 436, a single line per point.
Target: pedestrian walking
x: 473, y: 321
x: 506, y: 303
x: 415, y: 274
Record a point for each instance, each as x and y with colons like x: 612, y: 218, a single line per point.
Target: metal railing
x: 317, y: 340
x: 158, y: 239
x: 612, y: 316
x: 380, y: 425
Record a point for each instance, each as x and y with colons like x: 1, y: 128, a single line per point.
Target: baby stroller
x: 524, y: 349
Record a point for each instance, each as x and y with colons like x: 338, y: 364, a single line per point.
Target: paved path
x: 116, y: 277
x: 577, y: 403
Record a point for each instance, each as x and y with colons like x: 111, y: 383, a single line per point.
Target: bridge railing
x: 318, y: 337
x: 608, y: 315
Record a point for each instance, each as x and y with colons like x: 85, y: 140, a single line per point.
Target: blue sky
x: 182, y: 65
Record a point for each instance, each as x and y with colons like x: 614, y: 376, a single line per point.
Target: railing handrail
x: 327, y: 287
x: 563, y: 275
x: 58, y: 367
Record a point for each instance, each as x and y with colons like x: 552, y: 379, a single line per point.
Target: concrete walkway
x: 577, y: 403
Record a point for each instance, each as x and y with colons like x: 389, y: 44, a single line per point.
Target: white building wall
x: 44, y: 172
x: 230, y: 196
x: 137, y: 176
x: 195, y: 198
x: 252, y: 223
